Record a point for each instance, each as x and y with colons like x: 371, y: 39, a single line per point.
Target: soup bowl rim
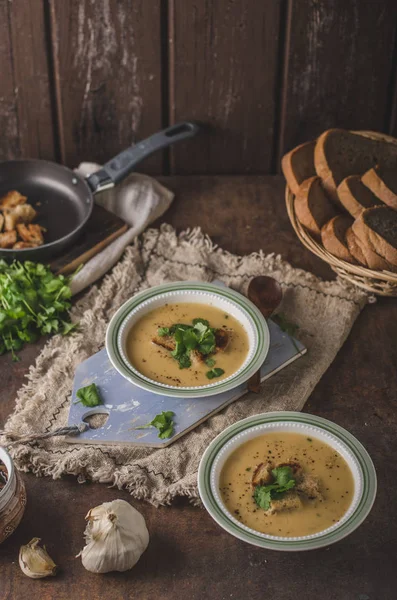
x: 258, y: 336
x: 234, y: 436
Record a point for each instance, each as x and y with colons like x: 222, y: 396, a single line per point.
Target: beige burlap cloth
x: 324, y: 312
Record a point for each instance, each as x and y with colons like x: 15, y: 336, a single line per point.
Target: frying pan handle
x: 124, y: 163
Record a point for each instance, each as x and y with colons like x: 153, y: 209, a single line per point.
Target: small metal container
x: 12, y: 498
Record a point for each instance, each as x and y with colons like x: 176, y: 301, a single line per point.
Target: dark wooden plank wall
x: 26, y: 123
x: 107, y: 73
x: 82, y: 79
x: 224, y: 72
x: 338, y: 67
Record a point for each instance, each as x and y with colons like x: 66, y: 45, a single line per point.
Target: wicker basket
x: 382, y: 283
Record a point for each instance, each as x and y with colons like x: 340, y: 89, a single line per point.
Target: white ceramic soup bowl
x: 220, y: 297
x: 342, y: 441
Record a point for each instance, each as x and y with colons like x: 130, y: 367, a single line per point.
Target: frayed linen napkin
x: 324, y: 311
x: 139, y: 200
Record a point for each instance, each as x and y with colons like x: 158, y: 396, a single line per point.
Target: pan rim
x: 20, y: 252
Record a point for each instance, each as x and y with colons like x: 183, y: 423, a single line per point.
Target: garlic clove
x: 35, y: 561
x: 116, y: 536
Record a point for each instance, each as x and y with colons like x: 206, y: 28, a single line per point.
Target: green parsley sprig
x: 89, y: 395
x: 284, y: 481
x: 33, y: 302
x: 287, y: 327
x: 217, y: 372
x: 163, y: 422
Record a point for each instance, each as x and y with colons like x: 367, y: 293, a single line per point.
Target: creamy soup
x: 298, y: 513
x: 148, y: 356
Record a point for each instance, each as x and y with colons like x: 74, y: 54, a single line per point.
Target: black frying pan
x: 64, y: 199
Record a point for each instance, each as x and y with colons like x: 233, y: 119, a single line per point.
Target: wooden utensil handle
x: 254, y: 383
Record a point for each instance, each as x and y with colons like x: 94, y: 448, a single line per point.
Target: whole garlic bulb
x: 116, y: 536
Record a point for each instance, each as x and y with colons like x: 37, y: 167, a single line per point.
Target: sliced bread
x: 354, y: 248
x: 373, y: 260
x: 340, y: 153
x: 377, y: 228
x: 364, y: 255
x: 333, y: 236
x: 312, y: 206
x: 355, y: 196
x: 383, y: 183
x: 298, y: 165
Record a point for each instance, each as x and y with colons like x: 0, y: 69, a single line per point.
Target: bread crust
x: 373, y: 260
x: 312, y: 206
x: 355, y: 196
x: 296, y: 175
x: 332, y: 242
x: 372, y: 239
x: 322, y: 167
x: 374, y: 181
x: 354, y: 248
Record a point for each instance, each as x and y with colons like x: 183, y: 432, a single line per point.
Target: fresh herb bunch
x: 199, y: 336
x: 33, y: 302
x: 284, y: 481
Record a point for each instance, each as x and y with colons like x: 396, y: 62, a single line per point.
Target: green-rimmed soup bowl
x: 220, y: 297
x: 339, y: 439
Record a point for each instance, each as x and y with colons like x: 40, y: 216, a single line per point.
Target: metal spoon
x: 266, y: 293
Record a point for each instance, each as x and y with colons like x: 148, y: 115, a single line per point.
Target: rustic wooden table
x: 189, y: 556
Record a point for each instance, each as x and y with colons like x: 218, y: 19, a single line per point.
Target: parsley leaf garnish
x: 184, y: 361
x: 210, y: 362
x: 162, y: 331
x: 283, y: 476
x: 190, y: 339
x: 284, y: 324
x: 181, y: 326
x: 214, y: 373
x: 262, y: 496
x: 289, y: 328
x: 202, y: 321
x: 89, y: 395
x: 199, y: 336
x: 164, y: 423
x: 284, y: 481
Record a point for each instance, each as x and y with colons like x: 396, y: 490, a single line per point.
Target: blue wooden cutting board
x: 129, y: 406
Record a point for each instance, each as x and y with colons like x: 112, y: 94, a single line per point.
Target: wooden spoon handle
x: 254, y: 382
